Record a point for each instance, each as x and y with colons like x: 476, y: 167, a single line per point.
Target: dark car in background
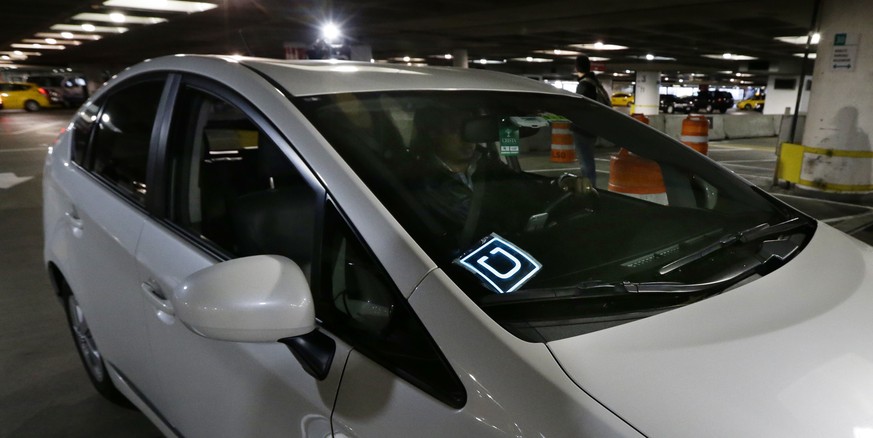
x: 670, y: 104
x: 711, y: 101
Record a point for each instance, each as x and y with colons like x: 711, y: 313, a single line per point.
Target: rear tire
x: 670, y: 109
x: 32, y: 106
x: 92, y: 360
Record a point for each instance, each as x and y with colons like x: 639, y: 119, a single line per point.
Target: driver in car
x: 466, y: 187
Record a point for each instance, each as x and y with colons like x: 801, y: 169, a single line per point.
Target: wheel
x: 709, y: 108
x: 32, y: 106
x: 90, y: 354
x: 747, y: 107
x: 670, y: 109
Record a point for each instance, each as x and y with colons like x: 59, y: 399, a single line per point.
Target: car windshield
x: 476, y: 179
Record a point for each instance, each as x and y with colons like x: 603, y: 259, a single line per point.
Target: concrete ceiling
x: 683, y: 30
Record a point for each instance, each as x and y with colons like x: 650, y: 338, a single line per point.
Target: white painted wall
x: 778, y: 100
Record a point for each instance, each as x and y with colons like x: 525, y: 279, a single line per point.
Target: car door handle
x: 73, y: 218
x: 157, y: 299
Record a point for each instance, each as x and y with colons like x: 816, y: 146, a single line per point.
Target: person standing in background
x: 590, y: 87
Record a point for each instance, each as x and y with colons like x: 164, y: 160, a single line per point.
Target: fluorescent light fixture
x: 800, y: 40
x: 650, y: 57
x: 597, y: 59
x: 448, y: 56
x: 598, y: 46
x: 117, y: 17
x: 67, y: 36
x: 484, y: 61
x: 52, y: 41
x: 406, y: 59
x: 531, y: 59
x: 810, y: 56
x: 87, y: 27
x: 161, y: 5
x: 38, y: 46
x: 558, y: 52
x: 733, y: 57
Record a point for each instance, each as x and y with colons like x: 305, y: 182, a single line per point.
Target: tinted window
x: 121, y: 142
x: 82, y: 127
x: 233, y: 186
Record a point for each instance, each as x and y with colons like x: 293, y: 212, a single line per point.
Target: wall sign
x: 844, y: 54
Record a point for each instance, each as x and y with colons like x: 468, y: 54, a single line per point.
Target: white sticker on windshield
x: 503, y: 266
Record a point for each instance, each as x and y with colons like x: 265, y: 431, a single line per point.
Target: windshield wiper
x: 749, y: 235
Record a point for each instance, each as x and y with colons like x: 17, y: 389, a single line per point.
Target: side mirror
x: 260, y: 298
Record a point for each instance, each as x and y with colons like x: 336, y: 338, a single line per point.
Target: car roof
x: 303, y: 78
x: 315, y: 77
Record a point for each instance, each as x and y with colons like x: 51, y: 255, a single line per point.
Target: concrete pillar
x: 646, y: 95
x: 606, y: 81
x: 459, y: 58
x: 839, y: 154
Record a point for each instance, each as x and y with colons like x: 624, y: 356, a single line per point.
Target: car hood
x: 790, y: 354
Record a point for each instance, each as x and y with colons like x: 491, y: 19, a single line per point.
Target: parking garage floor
x: 44, y: 392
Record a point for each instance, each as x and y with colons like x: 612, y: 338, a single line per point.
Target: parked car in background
x: 23, y: 95
x: 68, y: 91
x: 622, y: 99
x: 670, y: 104
x: 753, y: 103
x: 254, y: 248
x: 711, y: 101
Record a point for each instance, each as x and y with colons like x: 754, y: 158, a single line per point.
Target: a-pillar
x: 646, y: 94
x: 838, y: 155
x: 459, y: 58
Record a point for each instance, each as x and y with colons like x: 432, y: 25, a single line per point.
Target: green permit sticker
x: 509, y: 143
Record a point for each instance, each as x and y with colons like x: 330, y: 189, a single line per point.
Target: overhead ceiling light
x: 531, y: 59
x: 809, y: 55
x: 87, y: 27
x: 448, y: 56
x: 68, y: 36
x: 117, y: 17
x: 489, y: 61
x: 598, y: 46
x: 558, y: 52
x: 330, y: 32
x: 161, y: 5
x: 733, y: 57
x: 38, y: 46
x: 650, y: 57
x: 800, y: 40
x: 597, y: 59
x: 52, y: 41
x: 406, y: 59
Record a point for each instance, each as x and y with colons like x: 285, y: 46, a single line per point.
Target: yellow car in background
x: 622, y: 99
x: 23, y: 95
x: 753, y: 103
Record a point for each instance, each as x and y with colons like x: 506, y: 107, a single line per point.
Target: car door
x: 232, y: 191
x: 104, y: 194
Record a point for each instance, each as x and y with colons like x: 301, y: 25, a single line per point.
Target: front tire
x: 670, y: 109
x: 90, y: 354
x: 32, y: 106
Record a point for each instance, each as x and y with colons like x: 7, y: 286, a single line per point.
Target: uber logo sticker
x: 504, y: 266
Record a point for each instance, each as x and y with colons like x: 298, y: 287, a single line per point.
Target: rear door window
x: 120, y: 145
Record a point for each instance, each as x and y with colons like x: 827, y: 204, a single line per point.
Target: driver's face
x: 450, y: 146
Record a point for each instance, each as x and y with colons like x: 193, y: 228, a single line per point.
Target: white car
x: 253, y: 247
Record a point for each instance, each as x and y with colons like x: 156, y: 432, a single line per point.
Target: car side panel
x: 514, y: 388
x: 212, y: 388
x: 93, y: 242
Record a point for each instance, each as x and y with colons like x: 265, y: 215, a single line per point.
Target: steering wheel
x: 589, y: 198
